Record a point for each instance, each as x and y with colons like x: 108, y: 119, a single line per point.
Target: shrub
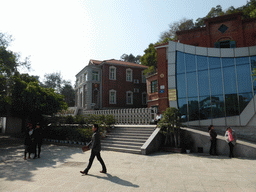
x: 69, y: 119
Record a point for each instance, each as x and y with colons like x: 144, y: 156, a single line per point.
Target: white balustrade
x: 141, y: 116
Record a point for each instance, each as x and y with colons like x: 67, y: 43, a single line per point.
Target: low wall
x: 201, y: 141
x: 13, y: 125
x: 153, y: 143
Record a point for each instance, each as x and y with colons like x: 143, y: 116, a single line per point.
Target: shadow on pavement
x: 116, y: 180
x: 14, y: 167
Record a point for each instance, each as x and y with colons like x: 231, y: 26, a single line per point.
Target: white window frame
x: 127, y: 98
x: 129, y: 78
x: 112, y: 100
x: 144, y: 103
x: 112, y: 76
x: 94, y: 76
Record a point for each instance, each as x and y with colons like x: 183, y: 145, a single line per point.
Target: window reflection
x: 180, y: 63
x: 181, y: 85
x: 227, y: 62
x: 203, y: 83
x: 214, y: 62
x: 192, y: 84
x: 218, y: 109
x: 190, y: 62
x: 229, y: 80
x: 242, y: 60
x: 231, y: 103
x: 202, y: 63
x: 244, y: 99
x: 193, y: 109
x: 205, y: 107
x: 182, y: 102
x: 243, y: 79
x: 216, y: 82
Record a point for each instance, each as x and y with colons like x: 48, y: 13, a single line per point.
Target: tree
x: 183, y: 24
x: 53, y: 80
x: 149, y: 58
x: 9, y: 65
x: 131, y: 58
x: 69, y: 94
x: 29, y: 99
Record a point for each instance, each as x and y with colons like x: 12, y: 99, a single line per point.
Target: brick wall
x: 122, y: 86
x: 162, y: 79
x: 241, y: 31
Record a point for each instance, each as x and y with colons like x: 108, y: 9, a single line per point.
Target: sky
x: 61, y: 36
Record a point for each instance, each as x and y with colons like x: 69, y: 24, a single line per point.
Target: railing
x: 137, y: 116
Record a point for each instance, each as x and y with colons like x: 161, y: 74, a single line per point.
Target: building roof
x: 113, y: 62
x: 117, y: 62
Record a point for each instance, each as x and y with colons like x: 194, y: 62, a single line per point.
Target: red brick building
x: 111, y: 84
x: 228, y: 31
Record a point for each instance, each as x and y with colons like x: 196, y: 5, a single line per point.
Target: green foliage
x: 170, y: 127
x: 69, y: 119
x: 170, y: 118
x: 131, y: 58
x: 29, y: 98
x: 69, y: 94
x: 68, y: 133
x: 109, y: 120
x: 150, y: 57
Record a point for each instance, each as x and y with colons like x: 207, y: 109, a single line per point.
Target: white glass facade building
x: 213, y: 85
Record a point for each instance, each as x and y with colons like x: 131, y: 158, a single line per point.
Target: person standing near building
x: 95, y: 150
x: 28, y: 141
x: 158, y: 117
x: 38, y: 134
x: 213, y: 138
x: 230, y: 137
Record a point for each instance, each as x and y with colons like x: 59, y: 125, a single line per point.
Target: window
x: 154, y: 86
x: 95, y: 76
x: 225, y: 44
x: 129, y: 97
x: 112, y: 73
x: 112, y: 97
x: 136, y: 90
x: 81, y: 79
x: 128, y: 75
x: 144, y: 98
x: 143, y: 77
x: 85, y: 77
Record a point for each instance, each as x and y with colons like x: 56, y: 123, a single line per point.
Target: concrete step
x: 125, y: 139
x: 125, y: 150
x: 121, y: 142
x: 121, y: 145
x: 128, y: 136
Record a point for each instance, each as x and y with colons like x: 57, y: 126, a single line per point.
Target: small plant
x: 170, y: 126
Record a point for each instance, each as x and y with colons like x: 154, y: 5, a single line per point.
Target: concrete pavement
x: 59, y: 166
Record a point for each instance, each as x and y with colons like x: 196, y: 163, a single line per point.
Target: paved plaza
x: 59, y: 166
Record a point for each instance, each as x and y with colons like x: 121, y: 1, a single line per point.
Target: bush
x: 68, y: 133
x: 69, y: 119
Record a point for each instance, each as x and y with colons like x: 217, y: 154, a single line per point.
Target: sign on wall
x: 172, y: 95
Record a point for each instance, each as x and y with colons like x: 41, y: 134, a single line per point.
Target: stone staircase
x: 127, y: 138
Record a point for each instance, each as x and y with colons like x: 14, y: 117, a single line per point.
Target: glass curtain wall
x: 213, y: 87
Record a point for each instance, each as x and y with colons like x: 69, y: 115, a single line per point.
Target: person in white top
x: 158, y: 117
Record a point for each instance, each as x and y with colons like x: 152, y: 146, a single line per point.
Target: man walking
x: 95, y: 150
